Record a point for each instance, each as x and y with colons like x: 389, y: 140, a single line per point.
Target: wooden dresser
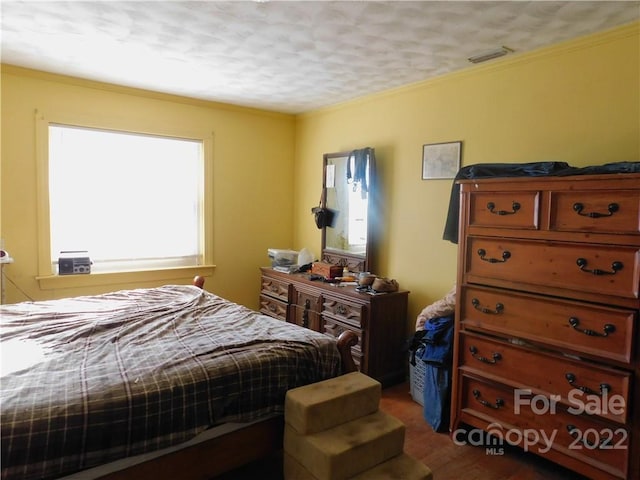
x: 547, y: 335
x: 378, y: 320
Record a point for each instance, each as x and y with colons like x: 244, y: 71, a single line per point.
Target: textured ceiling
x: 284, y: 56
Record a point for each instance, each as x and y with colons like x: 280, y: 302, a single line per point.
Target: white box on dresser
x: 547, y: 337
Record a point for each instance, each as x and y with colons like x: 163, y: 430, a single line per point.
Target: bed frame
x: 218, y: 455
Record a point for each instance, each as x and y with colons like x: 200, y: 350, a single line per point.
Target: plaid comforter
x: 92, y: 379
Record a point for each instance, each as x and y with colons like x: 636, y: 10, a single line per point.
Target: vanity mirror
x: 347, y: 192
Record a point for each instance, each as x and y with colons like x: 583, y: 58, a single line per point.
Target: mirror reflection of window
x: 338, y: 200
x: 350, y: 201
x: 358, y: 207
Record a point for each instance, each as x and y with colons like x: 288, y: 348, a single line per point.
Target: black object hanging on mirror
x: 323, y: 216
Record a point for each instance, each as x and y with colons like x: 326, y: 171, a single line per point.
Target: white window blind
x: 133, y: 201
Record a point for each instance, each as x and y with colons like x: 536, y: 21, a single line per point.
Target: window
x: 358, y: 211
x: 358, y: 207
x: 134, y: 201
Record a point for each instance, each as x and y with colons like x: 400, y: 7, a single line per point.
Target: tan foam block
x: 322, y: 405
x: 348, y: 449
x: 293, y: 470
x: 402, y: 467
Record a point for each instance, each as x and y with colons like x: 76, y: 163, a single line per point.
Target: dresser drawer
x: 307, y: 300
x: 304, y: 317
x: 601, y: 444
x: 518, y: 209
x: 602, y: 269
x: 612, y: 211
x: 343, y: 311
x: 598, y: 331
x: 335, y: 329
x: 577, y: 384
x: 275, y: 288
x: 305, y: 308
x: 272, y: 307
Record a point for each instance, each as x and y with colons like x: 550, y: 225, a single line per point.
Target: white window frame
x: 46, y: 264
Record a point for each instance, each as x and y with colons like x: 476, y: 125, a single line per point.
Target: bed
x: 97, y: 380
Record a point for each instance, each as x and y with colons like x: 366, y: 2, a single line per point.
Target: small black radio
x: 74, y: 262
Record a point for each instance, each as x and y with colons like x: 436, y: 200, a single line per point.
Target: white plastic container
x: 282, y: 258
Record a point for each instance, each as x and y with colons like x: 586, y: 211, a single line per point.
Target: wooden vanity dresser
x: 378, y: 320
x: 547, y: 334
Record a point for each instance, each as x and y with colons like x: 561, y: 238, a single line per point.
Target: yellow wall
x: 577, y: 102
x: 253, y: 154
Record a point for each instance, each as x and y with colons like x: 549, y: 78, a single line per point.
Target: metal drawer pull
x: 604, y: 387
x: 499, y: 402
x: 505, y: 256
x: 576, y: 433
x: 491, y: 206
x: 615, y: 266
x: 342, y: 310
x: 612, y: 208
x: 493, y: 360
x: 608, y: 328
x: 476, y: 304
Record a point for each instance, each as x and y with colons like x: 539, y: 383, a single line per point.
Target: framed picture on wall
x: 441, y: 160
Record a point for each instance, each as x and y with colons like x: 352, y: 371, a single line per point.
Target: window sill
x: 51, y: 282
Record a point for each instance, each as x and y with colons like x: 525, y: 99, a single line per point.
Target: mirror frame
x: 354, y: 262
